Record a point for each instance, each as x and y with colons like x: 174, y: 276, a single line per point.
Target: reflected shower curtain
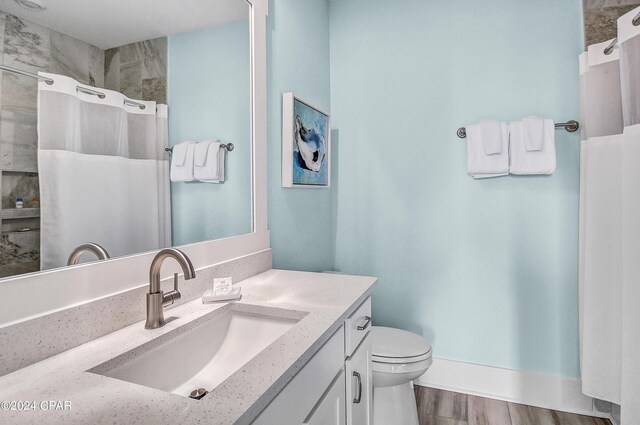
x: 103, y: 177
x: 610, y: 224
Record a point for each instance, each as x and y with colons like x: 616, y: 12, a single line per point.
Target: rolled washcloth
x: 487, y: 149
x: 182, y: 162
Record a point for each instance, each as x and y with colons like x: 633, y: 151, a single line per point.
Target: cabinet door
x: 303, y: 392
x: 330, y: 409
x: 359, y: 385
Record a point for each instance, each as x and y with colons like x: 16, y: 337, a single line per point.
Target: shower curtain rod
x: 27, y: 74
x: 614, y: 43
x: 86, y: 90
x: 228, y: 146
x: 571, y: 126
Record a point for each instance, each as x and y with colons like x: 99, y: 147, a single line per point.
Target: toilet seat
x: 396, y: 346
x: 400, y: 360
x: 402, y: 368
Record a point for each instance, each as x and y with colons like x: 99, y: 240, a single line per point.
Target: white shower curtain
x: 610, y: 222
x: 629, y: 41
x: 601, y: 224
x: 103, y: 177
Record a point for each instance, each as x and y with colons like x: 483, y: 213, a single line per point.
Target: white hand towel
x: 479, y: 164
x: 209, y: 162
x: 182, y: 162
x: 220, y: 159
x: 491, y: 136
x: 533, y: 131
x: 523, y: 161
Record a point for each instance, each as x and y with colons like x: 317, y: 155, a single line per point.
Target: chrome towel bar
x: 228, y: 146
x: 571, y: 126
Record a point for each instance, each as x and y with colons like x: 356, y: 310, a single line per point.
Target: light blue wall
x: 486, y: 270
x: 300, y: 220
x: 209, y: 98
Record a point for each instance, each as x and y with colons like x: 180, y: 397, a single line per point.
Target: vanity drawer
x: 356, y: 327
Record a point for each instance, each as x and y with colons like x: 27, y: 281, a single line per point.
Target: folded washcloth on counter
x: 533, y: 147
x: 487, y: 149
x: 182, y: 162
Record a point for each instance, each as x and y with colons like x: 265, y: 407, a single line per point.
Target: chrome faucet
x: 99, y: 251
x: 156, y: 299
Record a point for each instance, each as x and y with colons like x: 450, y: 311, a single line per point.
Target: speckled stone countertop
x: 324, y: 299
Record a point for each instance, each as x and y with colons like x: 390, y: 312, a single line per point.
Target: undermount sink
x: 202, y: 353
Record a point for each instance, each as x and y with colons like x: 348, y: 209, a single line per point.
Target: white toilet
x: 399, y: 357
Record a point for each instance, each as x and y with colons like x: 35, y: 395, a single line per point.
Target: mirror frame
x: 35, y: 294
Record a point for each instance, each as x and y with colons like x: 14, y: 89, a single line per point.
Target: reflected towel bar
x: 228, y: 146
x: 571, y: 126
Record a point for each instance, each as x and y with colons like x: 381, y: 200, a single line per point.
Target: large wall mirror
x: 86, y: 150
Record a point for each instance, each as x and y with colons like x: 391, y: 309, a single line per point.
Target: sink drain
x: 198, y: 393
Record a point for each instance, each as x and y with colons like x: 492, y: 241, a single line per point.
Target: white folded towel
x: 533, y: 132
x: 182, y: 162
x: 524, y: 161
x: 491, y: 136
x: 209, y: 162
x: 479, y: 164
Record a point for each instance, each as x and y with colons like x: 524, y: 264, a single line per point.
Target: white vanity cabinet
x: 358, y: 371
x: 335, y: 387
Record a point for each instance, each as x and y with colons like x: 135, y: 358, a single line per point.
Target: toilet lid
x: 391, y: 344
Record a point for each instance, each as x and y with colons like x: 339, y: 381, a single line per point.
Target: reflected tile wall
x: 3, y: 18
x: 138, y: 70
x: 19, y: 185
x: 155, y: 89
x: 18, y: 140
x: 19, y: 253
x: 131, y: 80
x: 26, y: 45
x: 600, y: 18
x: 70, y: 57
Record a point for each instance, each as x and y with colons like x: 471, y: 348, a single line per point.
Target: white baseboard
x: 534, y: 389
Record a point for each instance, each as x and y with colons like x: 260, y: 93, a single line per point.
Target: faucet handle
x: 171, y: 297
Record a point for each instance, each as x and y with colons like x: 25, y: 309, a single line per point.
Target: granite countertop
x: 62, y: 390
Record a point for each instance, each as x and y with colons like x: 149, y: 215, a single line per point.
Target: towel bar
x: 571, y: 126
x: 228, y: 146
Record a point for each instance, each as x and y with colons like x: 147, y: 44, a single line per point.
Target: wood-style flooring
x: 438, y: 407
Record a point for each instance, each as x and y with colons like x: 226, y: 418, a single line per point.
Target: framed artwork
x: 306, y: 144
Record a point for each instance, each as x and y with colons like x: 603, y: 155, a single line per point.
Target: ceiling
x: 113, y: 23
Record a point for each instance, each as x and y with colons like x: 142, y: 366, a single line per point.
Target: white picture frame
x: 306, y: 144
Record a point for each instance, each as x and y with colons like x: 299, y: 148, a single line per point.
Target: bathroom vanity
x: 295, y: 349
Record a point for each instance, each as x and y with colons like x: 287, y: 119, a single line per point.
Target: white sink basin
x: 203, y: 353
